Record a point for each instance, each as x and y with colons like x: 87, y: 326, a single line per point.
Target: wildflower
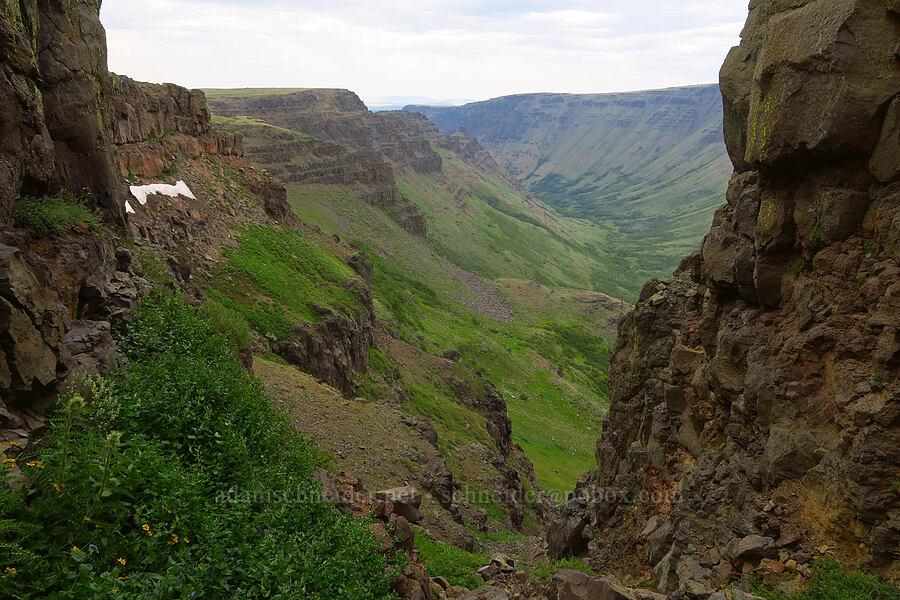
x: 9, y: 572
x: 123, y: 578
x: 122, y: 561
x: 88, y: 519
x: 16, y: 444
x: 187, y: 541
x: 93, y: 548
x: 145, y: 527
x: 76, y: 549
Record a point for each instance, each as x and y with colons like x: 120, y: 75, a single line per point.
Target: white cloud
x: 431, y: 48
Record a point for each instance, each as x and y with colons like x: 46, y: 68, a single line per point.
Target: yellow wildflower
x: 76, y: 549
x: 10, y: 572
x: 145, y: 527
x: 122, y: 561
x: 88, y: 519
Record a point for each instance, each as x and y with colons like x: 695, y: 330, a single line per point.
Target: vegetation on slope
x: 835, y: 582
x: 555, y: 391
x: 178, y: 479
x: 276, y: 277
x: 55, y: 215
x: 649, y: 166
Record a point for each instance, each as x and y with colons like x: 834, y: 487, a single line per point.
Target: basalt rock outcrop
x: 52, y: 87
x: 57, y: 294
x: 342, y: 143
x: 755, y: 418
x: 153, y: 124
x: 340, y: 117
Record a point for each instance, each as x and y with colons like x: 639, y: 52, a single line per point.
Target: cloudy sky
x: 441, y: 49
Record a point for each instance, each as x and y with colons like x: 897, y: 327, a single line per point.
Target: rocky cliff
x: 56, y: 294
x: 755, y: 417
x: 153, y: 124
x: 71, y: 128
x: 54, y: 82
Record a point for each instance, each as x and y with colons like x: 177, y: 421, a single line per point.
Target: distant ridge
x: 652, y: 163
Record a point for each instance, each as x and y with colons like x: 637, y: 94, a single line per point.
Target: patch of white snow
x: 141, y: 192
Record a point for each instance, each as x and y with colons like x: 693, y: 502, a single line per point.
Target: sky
x: 431, y: 49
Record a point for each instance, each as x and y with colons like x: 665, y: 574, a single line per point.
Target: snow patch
x: 128, y: 209
x: 141, y: 192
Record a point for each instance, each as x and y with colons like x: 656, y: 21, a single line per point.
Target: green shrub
x: 456, y: 565
x: 815, y: 237
x: 191, y: 484
x: 834, y: 582
x: 228, y: 322
x: 55, y: 215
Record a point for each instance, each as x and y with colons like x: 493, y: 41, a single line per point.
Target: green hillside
x: 548, y: 358
x: 650, y: 165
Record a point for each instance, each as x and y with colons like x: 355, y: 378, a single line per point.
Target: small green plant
x: 815, y: 260
x: 815, y: 237
x: 878, y: 378
x: 55, y: 215
x: 795, y: 269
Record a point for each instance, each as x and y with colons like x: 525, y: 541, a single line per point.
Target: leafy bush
x: 834, y: 582
x: 179, y: 479
x: 229, y: 322
x: 454, y: 564
x: 55, y: 215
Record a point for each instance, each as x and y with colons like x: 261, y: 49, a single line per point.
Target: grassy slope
x: 557, y: 419
x: 651, y: 165
x: 478, y: 222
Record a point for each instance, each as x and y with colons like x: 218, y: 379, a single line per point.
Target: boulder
x: 486, y: 592
x: 406, y: 501
x: 574, y: 585
x: 755, y: 547
x: 564, y: 537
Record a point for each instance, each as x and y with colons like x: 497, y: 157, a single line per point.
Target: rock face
x: 153, y: 124
x: 53, y: 81
x: 340, y: 117
x: 55, y: 293
x: 756, y: 395
x: 351, y: 146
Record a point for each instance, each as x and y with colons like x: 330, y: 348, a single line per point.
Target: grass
x: 55, y: 215
x: 555, y: 419
x: 445, y: 560
x: 835, y: 582
x: 544, y: 571
x: 275, y: 277
x: 179, y: 479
